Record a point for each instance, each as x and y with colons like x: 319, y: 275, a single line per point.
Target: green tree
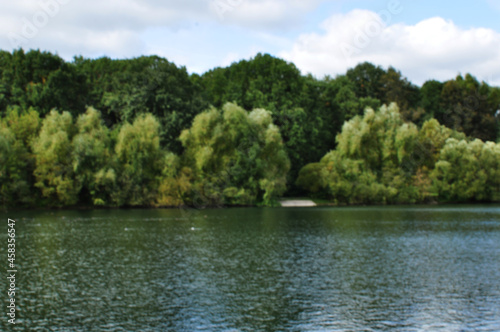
x: 14, y: 163
x: 41, y: 80
x: 311, y: 178
x: 175, y: 183
x: 53, y: 155
x: 468, y: 171
x: 372, y: 163
x: 431, y: 140
x: 380, y: 138
x: 139, y: 162
x: 25, y: 125
x: 18, y: 130
x: 397, y: 89
x: 348, y: 102
x: 93, y: 160
x: 350, y: 181
x: 124, y: 89
x: 430, y: 98
x: 367, y: 79
x: 236, y: 157
x: 469, y: 106
x: 302, y: 107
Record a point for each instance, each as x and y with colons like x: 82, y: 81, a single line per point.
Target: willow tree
x: 18, y: 129
x: 236, y: 157
x: 345, y: 181
x: 14, y: 180
x: 139, y: 159
x: 372, y: 162
x: 53, y: 154
x: 175, y: 182
x: 92, y: 159
x: 468, y: 171
x: 385, y: 145
x: 381, y: 139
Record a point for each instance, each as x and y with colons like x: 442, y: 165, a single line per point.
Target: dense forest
x: 145, y: 132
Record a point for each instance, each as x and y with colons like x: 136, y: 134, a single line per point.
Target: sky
x: 423, y: 39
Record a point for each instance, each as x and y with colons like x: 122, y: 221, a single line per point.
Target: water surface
x: 247, y: 269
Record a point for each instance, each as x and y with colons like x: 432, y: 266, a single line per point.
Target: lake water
x: 257, y: 269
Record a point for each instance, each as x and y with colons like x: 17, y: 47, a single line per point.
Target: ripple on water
x: 322, y: 269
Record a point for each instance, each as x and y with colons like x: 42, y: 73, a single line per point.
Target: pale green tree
x: 379, y: 138
x: 350, y: 181
x: 236, y: 157
x: 25, y: 125
x: 373, y: 162
x: 175, y: 183
x: 54, y: 170
x: 468, y: 171
x: 140, y: 159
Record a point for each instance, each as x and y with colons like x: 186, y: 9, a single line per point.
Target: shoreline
x: 289, y: 203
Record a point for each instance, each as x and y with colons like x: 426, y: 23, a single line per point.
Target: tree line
x: 382, y: 159
x: 145, y: 132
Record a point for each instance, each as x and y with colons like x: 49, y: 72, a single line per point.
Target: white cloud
x: 105, y: 27
x: 120, y: 28
x: 263, y: 14
x: 432, y: 49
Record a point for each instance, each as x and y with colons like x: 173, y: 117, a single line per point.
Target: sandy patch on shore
x: 297, y: 203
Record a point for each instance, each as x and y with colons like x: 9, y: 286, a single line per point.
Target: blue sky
x: 423, y: 39
x: 464, y: 13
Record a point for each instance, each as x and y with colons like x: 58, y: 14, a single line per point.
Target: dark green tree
x: 469, y: 106
x: 18, y: 129
x: 367, y: 79
x: 93, y: 160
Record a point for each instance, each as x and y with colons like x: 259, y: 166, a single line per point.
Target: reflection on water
x: 321, y: 269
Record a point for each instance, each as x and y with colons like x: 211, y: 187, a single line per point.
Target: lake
x: 407, y: 268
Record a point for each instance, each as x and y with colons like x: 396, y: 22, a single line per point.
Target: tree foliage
x: 381, y: 159
x: 18, y: 130
x: 57, y: 149
x: 139, y: 158
x: 236, y: 157
x: 477, y: 178
x: 92, y: 159
x: 54, y: 170
x: 300, y: 106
